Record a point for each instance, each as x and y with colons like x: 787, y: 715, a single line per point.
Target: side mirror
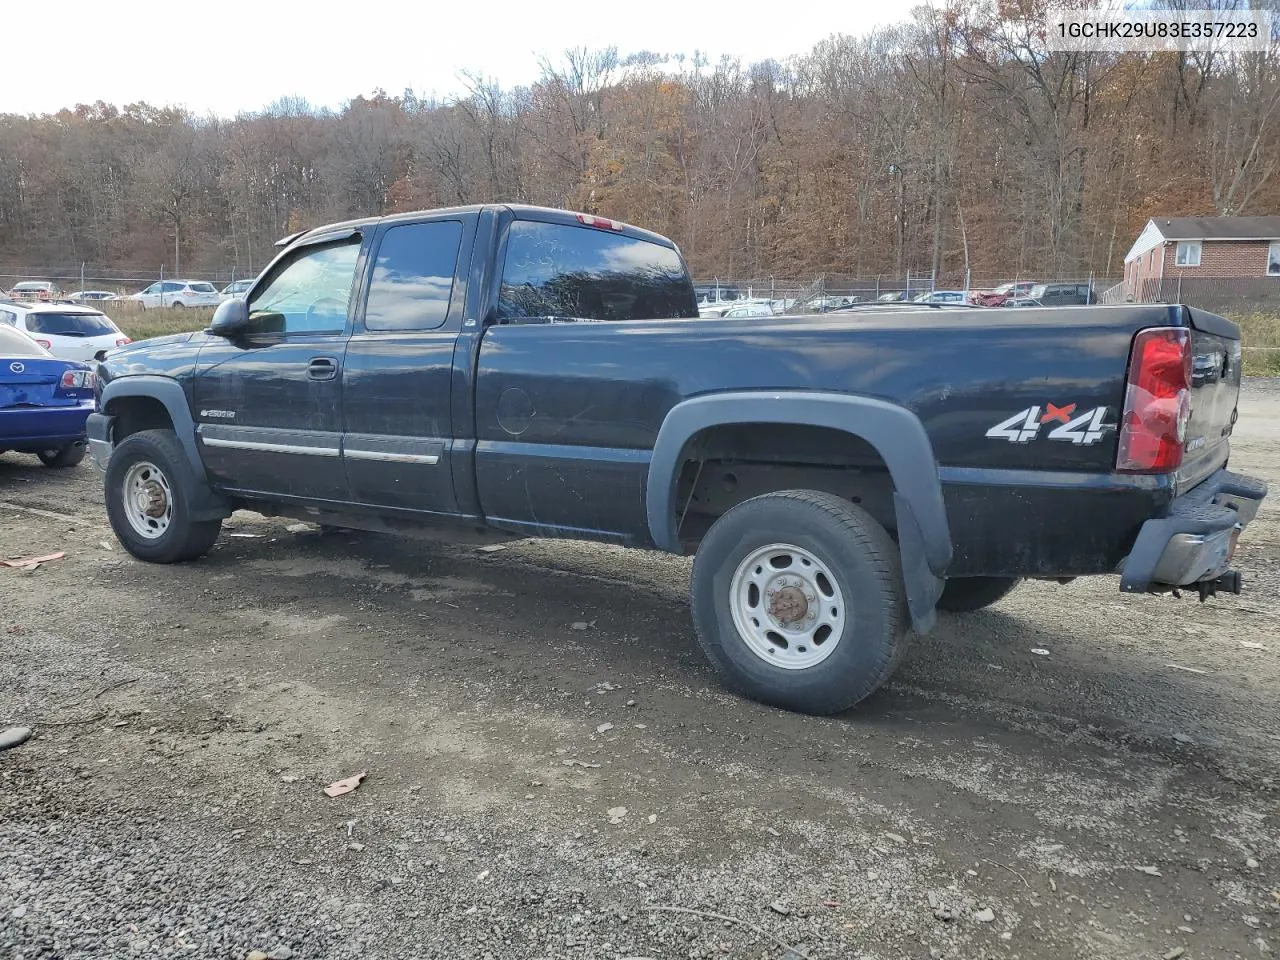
x: 231, y: 319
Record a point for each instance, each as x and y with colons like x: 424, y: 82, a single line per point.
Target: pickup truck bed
x: 840, y: 477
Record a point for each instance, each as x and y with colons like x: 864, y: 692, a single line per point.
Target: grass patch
x: 1260, y: 333
x: 140, y: 324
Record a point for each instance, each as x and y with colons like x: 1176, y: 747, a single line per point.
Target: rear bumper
x: 1196, y: 539
x: 42, y: 428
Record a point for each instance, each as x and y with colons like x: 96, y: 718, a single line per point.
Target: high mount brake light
x: 603, y: 223
x: 1157, y: 402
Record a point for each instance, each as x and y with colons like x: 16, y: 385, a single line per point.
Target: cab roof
x: 518, y: 211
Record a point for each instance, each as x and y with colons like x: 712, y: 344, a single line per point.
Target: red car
x: 1006, y: 291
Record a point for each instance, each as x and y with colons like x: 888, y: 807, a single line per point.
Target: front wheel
x: 967, y: 594
x: 798, y: 601
x: 177, y: 304
x: 62, y: 457
x: 148, y: 494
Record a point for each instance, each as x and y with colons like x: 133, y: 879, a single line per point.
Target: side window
x: 8, y: 318
x: 170, y: 286
x: 555, y: 272
x: 309, y: 292
x: 1187, y: 253
x: 413, y: 276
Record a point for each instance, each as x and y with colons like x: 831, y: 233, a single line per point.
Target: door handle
x: 322, y: 368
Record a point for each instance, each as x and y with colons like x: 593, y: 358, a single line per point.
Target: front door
x: 398, y: 377
x: 268, y: 404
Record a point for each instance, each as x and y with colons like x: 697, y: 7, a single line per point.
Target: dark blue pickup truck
x: 544, y: 373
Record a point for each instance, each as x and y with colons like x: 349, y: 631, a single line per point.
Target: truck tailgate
x: 1215, y: 387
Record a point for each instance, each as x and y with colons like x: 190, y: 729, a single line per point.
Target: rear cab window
x: 69, y: 324
x: 562, y: 273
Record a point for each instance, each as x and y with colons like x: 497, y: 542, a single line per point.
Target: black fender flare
x: 895, y: 432
x: 207, y: 504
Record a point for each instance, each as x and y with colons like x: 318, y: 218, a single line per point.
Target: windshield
x: 70, y: 324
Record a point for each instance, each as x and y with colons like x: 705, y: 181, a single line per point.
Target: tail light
x: 79, y: 380
x: 121, y: 341
x: 604, y: 223
x: 1157, y: 402
x: 48, y: 345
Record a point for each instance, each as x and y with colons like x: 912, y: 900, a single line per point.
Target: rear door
x: 268, y: 404
x: 396, y: 387
x: 562, y: 438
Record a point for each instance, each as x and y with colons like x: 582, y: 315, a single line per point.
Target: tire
x: 152, y: 462
x: 967, y: 594
x: 177, y: 305
x: 68, y: 456
x: 818, y: 532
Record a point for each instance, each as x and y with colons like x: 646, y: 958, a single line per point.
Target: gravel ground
x: 540, y: 790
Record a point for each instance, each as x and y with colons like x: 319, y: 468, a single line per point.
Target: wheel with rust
x: 798, y: 601
x: 148, y: 495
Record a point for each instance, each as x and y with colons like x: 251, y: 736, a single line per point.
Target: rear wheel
x: 177, y: 304
x: 148, y: 494
x: 62, y: 457
x: 966, y: 594
x: 798, y: 602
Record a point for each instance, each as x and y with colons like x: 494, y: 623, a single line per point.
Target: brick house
x: 1177, y: 248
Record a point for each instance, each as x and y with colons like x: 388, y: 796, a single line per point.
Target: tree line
x: 950, y: 142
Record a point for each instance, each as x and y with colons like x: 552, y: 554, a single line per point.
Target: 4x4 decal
x: 1024, y: 426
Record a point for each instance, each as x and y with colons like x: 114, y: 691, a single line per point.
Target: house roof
x: 1218, y: 228
x: 1160, y: 229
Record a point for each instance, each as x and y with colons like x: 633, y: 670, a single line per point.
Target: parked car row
x: 162, y: 293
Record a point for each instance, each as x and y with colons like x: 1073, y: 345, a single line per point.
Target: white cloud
x: 234, y: 55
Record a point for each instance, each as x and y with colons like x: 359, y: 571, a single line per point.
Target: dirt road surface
x: 554, y: 772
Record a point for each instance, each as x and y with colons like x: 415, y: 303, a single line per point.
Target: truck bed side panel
x: 546, y: 390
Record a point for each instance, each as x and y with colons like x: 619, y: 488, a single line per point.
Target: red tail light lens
x: 44, y: 343
x: 121, y: 341
x: 1157, y: 402
x: 79, y: 379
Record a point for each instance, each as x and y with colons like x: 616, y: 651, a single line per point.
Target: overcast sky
x: 225, y: 56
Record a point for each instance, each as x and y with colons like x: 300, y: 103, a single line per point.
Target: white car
x: 67, y: 331
x: 178, y: 293
x: 236, y: 288
x: 35, y: 290
x: 749, y: 310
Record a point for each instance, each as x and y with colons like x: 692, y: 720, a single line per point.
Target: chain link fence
x: 1230, y: 296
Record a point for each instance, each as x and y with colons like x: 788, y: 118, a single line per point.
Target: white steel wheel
x: 148, y: 500
x: 787, y: 606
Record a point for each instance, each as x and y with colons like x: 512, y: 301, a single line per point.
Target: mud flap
x: 922, y: 585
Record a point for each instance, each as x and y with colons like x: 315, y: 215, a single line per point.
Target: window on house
x: 1188, y: 254
x: 1273, y: 259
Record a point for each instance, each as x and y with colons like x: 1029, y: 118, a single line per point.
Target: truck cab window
x: 561, y: 272
x: 413, y: 276
x: 308, y: 294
